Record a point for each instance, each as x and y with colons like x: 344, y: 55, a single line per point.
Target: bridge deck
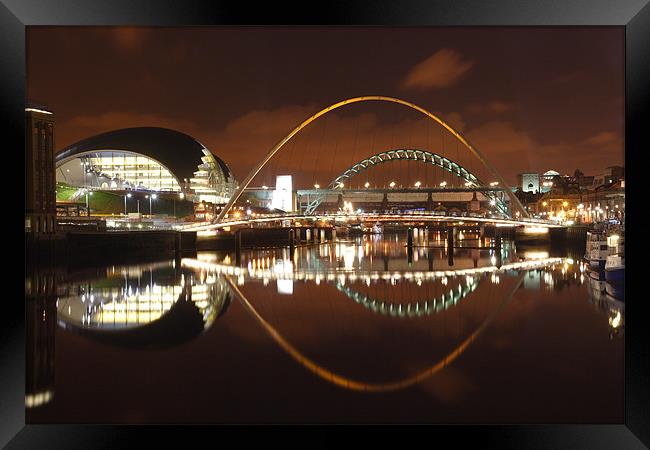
x: 374, y: 217
x: 399, y: 190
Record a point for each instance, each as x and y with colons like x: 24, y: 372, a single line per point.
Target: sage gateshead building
x: 147, y: 159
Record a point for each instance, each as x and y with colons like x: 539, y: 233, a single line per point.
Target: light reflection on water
x: 323, y: 303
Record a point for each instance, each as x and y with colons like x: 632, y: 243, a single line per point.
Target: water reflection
x: 404, y: 292
x: 359, y: 385
x: 40, y: 309
x: 144, y: 305
x: 362, y: 314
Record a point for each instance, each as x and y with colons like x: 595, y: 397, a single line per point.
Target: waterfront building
x: 560, y: 207
x: 147, y: 159
x: 40, y: 185
x: 605, y: 202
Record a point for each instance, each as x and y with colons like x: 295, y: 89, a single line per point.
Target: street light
x: 87, y: 206
x: 417, y: 184
x: 317, y: 186
x: 367, y: 185
x: 341, y: 185
x: 152, y: 196
x: 443, y: 184
x: 392, y: 184
x: 494, y: 183
x: 125, y: 197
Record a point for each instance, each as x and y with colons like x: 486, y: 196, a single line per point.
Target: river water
x: 355, y: 331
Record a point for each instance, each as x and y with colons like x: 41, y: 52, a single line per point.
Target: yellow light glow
x: 615, y: 321
x: 535, y: 230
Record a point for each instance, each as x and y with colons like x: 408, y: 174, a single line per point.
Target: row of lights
x: 393, y: 184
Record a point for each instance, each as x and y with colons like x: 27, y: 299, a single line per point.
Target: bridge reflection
x: 160, y: 305
x: 359, y: 385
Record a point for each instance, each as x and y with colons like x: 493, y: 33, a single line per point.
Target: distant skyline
x: 530, y: 99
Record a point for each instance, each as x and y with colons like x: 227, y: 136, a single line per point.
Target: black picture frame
x: 634, y: 15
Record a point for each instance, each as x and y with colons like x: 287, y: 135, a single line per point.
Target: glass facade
x: 123, y: 170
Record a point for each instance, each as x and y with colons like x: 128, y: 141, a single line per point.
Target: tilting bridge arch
x: 422, y: 156
x: 246, y: 182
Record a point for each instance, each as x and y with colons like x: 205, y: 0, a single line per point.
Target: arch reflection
x: 358, y: 385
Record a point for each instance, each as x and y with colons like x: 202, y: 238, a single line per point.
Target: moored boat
x: 615, y: 268
x: 597, y: 250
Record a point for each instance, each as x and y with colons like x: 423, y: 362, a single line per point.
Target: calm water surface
x: 360, y: 330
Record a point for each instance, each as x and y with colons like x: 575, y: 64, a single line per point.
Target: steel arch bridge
x: 422, y: 156
x: 246, y: 182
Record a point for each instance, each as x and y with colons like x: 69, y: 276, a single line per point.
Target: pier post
x: 409, y: 246
x: 450, y: 245
x: 292, y: 245
x: 430, y: 257
x: 238, y: 248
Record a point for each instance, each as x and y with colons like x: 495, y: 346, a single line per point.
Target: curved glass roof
x: 175, y: 150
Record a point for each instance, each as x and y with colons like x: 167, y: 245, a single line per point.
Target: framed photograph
x: 385, y: 215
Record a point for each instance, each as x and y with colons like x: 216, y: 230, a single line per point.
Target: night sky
x: 530, y: 99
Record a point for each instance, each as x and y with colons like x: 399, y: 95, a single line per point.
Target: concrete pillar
x: 430, y: 201
x: 384, y: 202
x: 430, y: 258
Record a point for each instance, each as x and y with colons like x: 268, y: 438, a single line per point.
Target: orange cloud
x: 601, y: 138
x: 496, y: 107
x: 442, y: 69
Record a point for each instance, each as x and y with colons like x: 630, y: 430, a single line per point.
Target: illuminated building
x: 529, y: 182
x: 40, y: 187
x: 149, y: 159
x: 283, y: 193
x: 547, y: 180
